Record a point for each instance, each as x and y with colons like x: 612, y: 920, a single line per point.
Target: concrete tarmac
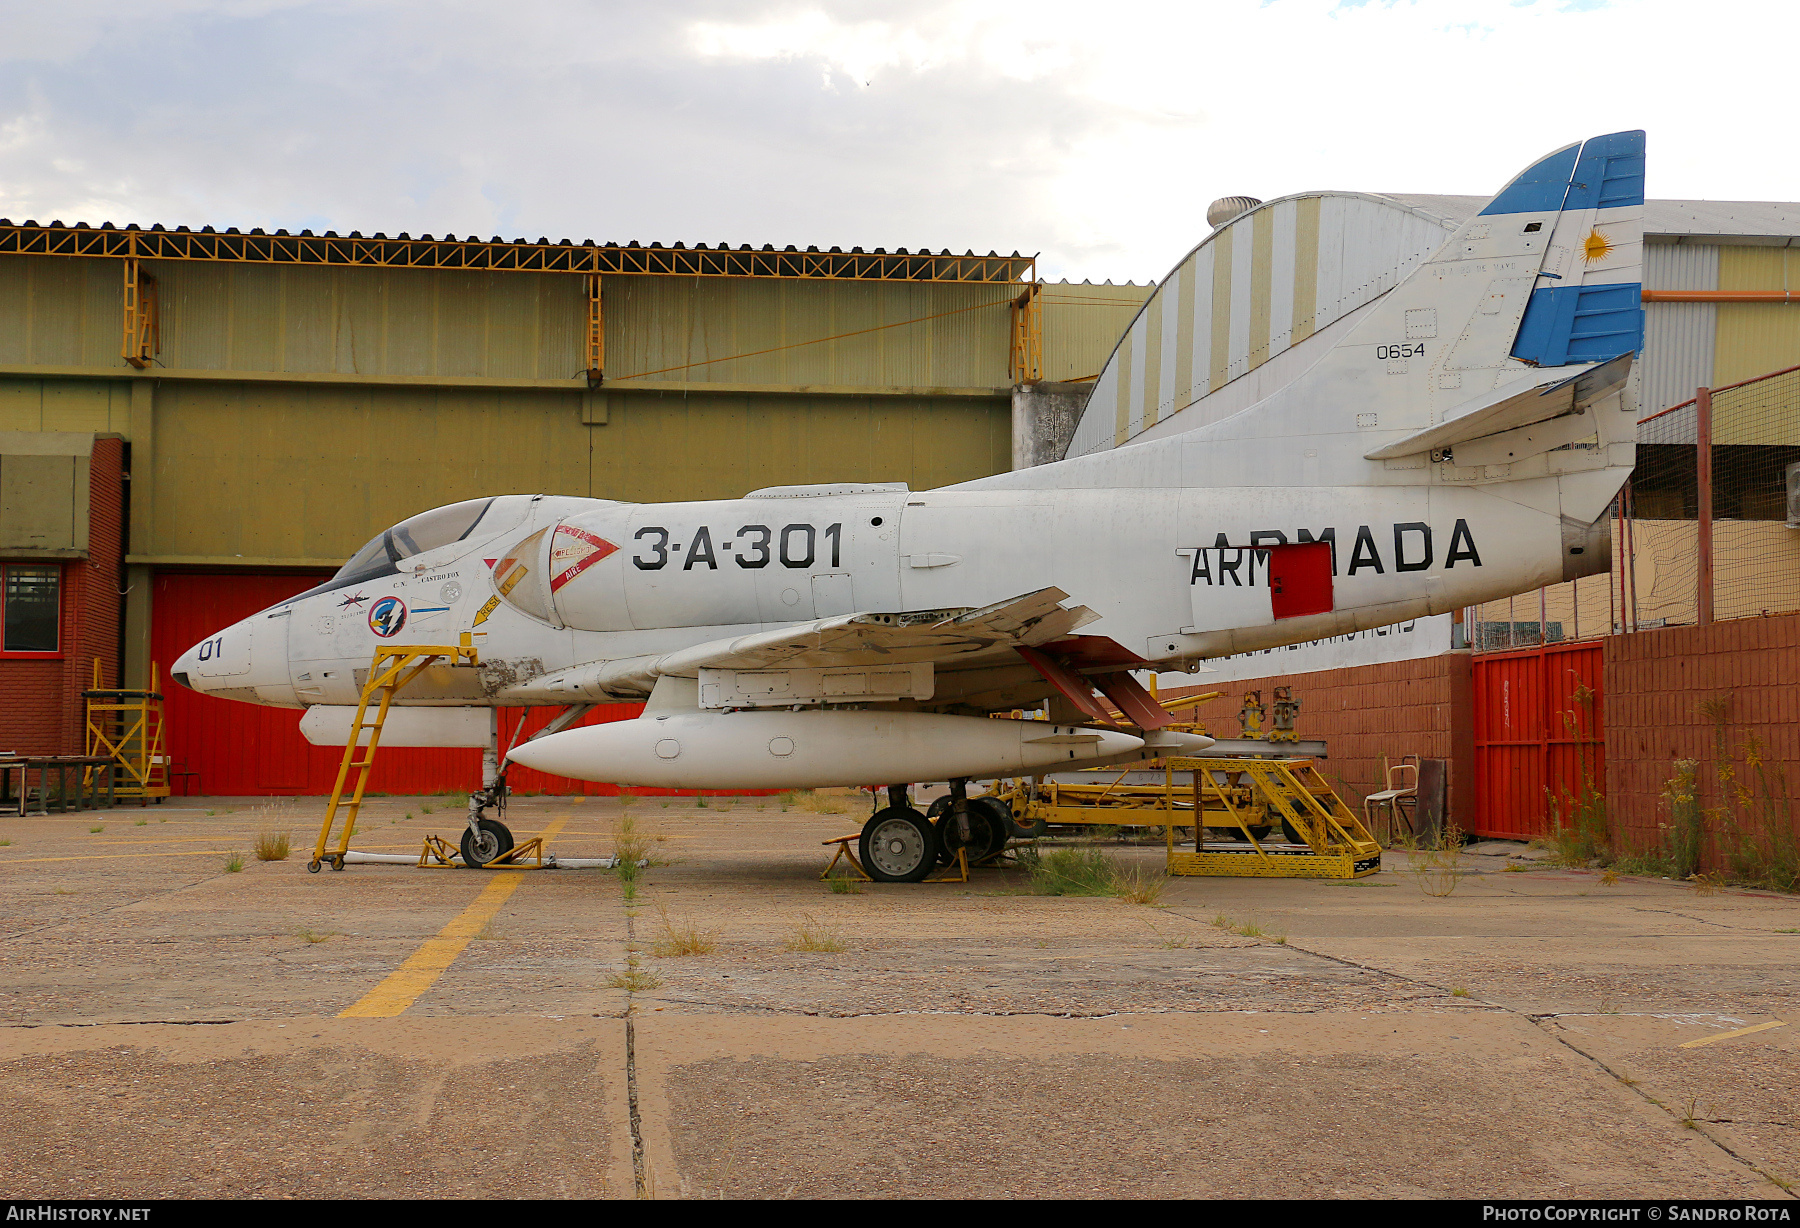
x: 171, y: 1027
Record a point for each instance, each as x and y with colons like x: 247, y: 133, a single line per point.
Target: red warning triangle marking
x: 490, y: 563
x: 573, y: 551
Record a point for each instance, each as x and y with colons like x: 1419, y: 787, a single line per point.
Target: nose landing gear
x: 485, y: 839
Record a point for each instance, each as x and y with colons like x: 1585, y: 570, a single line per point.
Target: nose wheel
x: 485, y: 841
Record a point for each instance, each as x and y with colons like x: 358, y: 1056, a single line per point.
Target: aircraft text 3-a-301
x: 751, y: 546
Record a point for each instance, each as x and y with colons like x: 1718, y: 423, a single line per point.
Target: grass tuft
x: 313, y: 937
x: 686, y: 940
x: 1438, y: 869
x: 843, y: 884
x: 94, y: 831
x: 1459, y: 992
x: 634, y: 979
x: 234, y: 862
x: 273, y: 845
x: 814, y: 935
x: 1088, y: 871
x: 813, y: 802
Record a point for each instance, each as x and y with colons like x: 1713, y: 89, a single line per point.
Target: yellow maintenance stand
x: 127, y: 727
x: 1249, y: 798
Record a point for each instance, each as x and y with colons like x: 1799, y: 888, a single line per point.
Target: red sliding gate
x: 1538, y: 732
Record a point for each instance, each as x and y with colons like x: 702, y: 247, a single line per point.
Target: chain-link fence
x: 1734, y: 445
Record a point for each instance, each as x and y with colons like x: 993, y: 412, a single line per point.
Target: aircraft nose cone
x: 183, y: 671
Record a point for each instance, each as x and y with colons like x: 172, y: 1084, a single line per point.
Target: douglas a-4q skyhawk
x: 1462, y: 443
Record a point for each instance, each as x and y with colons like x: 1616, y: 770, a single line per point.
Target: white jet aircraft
x: 1462, y: 443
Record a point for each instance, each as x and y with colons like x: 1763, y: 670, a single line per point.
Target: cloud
x: 1094, y: 135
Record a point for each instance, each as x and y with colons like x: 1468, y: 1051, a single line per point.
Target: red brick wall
x: 1656, y: 685
x: 42, y: 711
x: 1396, y: 708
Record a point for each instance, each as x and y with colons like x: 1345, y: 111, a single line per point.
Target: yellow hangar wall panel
x: 298, y: 472
x: 286, y: 471
x: 376, y: 322
x: 663, y: 446
x: 1756, y: 338
x: 1212, y: 338
x: 99, y: 406
x: 793, y: 332
x: 1081, y: 324
x: 60, y: 312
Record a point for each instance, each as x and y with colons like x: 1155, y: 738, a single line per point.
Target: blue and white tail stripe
x: 1587, y: 306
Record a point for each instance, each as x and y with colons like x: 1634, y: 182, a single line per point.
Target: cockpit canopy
x: 441, y: 526
x: 415, y: 535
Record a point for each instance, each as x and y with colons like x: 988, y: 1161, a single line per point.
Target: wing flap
x: 940, y: 637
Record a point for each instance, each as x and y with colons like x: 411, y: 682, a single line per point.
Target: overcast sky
x: 1096, y: 133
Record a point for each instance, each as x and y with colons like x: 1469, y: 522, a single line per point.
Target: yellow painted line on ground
x: 424, y: 966
x: 1707, y: 1040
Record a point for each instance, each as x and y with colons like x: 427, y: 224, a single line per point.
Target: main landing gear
x: 485, y: 839
x: 900, y: 845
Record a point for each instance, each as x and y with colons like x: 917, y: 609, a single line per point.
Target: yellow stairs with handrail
x: 389, y: 673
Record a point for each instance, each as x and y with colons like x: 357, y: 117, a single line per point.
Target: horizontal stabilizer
x: 1509, y: 407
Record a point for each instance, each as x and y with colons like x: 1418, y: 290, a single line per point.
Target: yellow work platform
x: 1249, y: 797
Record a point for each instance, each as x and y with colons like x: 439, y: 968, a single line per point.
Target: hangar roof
x: 1752, y: 223
x: 519, y: 255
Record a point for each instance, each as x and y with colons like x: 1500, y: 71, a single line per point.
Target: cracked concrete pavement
x: 173, y: 1028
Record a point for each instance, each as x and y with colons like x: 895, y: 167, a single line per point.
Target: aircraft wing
x: 945, y: 638
x: 948, y: 639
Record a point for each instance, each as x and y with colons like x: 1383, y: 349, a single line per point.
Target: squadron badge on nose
x: 387, y: 616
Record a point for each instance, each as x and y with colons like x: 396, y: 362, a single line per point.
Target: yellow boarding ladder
x: 390, y: 671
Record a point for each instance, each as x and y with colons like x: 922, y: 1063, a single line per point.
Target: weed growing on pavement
x: 233, y: 862
x: 314, y: 937
x: 688, y: 939
x: 1609, y: 877
x: 424, y: 809
x: 490, y: 933
x: 700, y: 801
x: 63, y: 891
x: 814, y: 935
x: 141, y: 823
x: 813, y: 802
x: 94, y: 831
x: 1788, y: 931
x: 634, y: 979
x: 273, y: 845
x: 1706, y: 884
x: 1458, y: 992
x: 1688, y: 1120
x: 631, y: 848
x: 843, y: 884
x: 1088, y: 871
x: 1136, y: 887
x: 1438, y: 869
x: 4, y: 843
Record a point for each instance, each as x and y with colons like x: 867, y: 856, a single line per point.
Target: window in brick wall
x: 31, y: 607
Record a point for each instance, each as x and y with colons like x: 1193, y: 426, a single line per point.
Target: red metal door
x: 1539, y: 733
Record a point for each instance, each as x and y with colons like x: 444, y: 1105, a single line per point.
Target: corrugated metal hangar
x: 207, y: 421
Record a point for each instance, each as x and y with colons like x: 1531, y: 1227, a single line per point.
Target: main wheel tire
x: 1001, y: 828
x: 1293, y: 834
x: 986, y: 836
x: 898, y: 845
x: 492, y: 840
